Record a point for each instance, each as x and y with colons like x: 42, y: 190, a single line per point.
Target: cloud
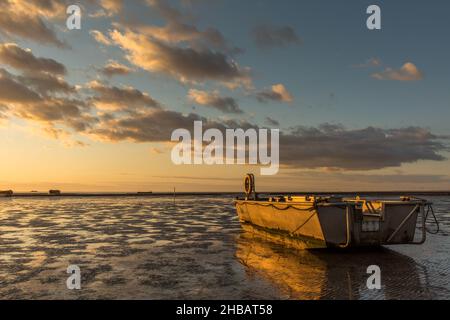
x: 12, y: 91
x: 330, y: 147
x: 112, y: 6
x: 45, y: 8
x: 183, y: 63
x: 266, y: 36
x: 153, y: 126
x: 166, y: 10
x: 408, y: 72
x: 107, y: 8
x: 3, y: 114
x: 120, y: 99
x: 178, y: 29
x: 51, y: 113
x: 364, y: 178
x: 333, y: 146
x: 46, y: 83
x: 27, y: 104
x: 24, y: 19
x: 213, y: 99
x: 271, y: 122
x: 340, y: 181
x: 100, y: 37
x: 176, y: 32
x: 39, y: 92
x: 23, y: 59
x: 277, y: 92
x: 178, y: 48
x: 50, y: 110
x: 113, y: 68
x: 23, y: 102
x: 372, y: 62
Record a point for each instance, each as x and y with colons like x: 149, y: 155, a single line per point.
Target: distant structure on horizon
x: 6, y: 193
x: 143, y: 193
x: 54, y: 192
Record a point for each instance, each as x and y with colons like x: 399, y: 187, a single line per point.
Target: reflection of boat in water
x: 333, y: 221
x: 320, y: 274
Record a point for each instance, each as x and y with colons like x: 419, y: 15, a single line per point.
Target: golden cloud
x: 23, y: 59
x: 183, y: 63
x: 213, y: 99
x: 277, y: 92
x: 100, y: 37
x: 29, y: 20
x: 408, y: 72
x: 113, y: 68
x: 126, y: 99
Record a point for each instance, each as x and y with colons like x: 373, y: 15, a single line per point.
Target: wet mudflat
x: 151, y: 248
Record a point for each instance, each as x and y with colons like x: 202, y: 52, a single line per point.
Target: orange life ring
x: 249, y: 184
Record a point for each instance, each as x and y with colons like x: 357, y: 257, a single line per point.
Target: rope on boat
x: 430, y: 209
x: 305, y: 222
x: 288, y: 206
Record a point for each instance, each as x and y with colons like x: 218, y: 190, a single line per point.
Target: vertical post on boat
x: 173, y: 195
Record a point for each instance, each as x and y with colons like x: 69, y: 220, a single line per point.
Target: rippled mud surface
x: 151, y: 248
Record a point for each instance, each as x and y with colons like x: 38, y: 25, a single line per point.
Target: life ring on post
x: 249, y: 185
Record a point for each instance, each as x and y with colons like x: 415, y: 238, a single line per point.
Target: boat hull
x: 311, y: 224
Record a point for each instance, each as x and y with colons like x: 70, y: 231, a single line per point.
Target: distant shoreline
x: 171, y: 194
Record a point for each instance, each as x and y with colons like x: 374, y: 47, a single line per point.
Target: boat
x: 145, y: 193
x: 315, y: 221
x: 6, y: 193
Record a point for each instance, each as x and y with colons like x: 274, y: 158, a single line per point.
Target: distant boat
x: 55, y: 192
x: 324, y: 221
x: 6, y: 193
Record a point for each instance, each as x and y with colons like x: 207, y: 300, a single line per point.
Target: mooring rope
x: 430, y: 209
x: 305, y: 222
x: 287, y: 206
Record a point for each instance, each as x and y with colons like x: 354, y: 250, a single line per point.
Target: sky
x: 93, y: 109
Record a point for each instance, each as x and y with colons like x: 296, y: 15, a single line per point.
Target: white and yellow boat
x: 326, y: 221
